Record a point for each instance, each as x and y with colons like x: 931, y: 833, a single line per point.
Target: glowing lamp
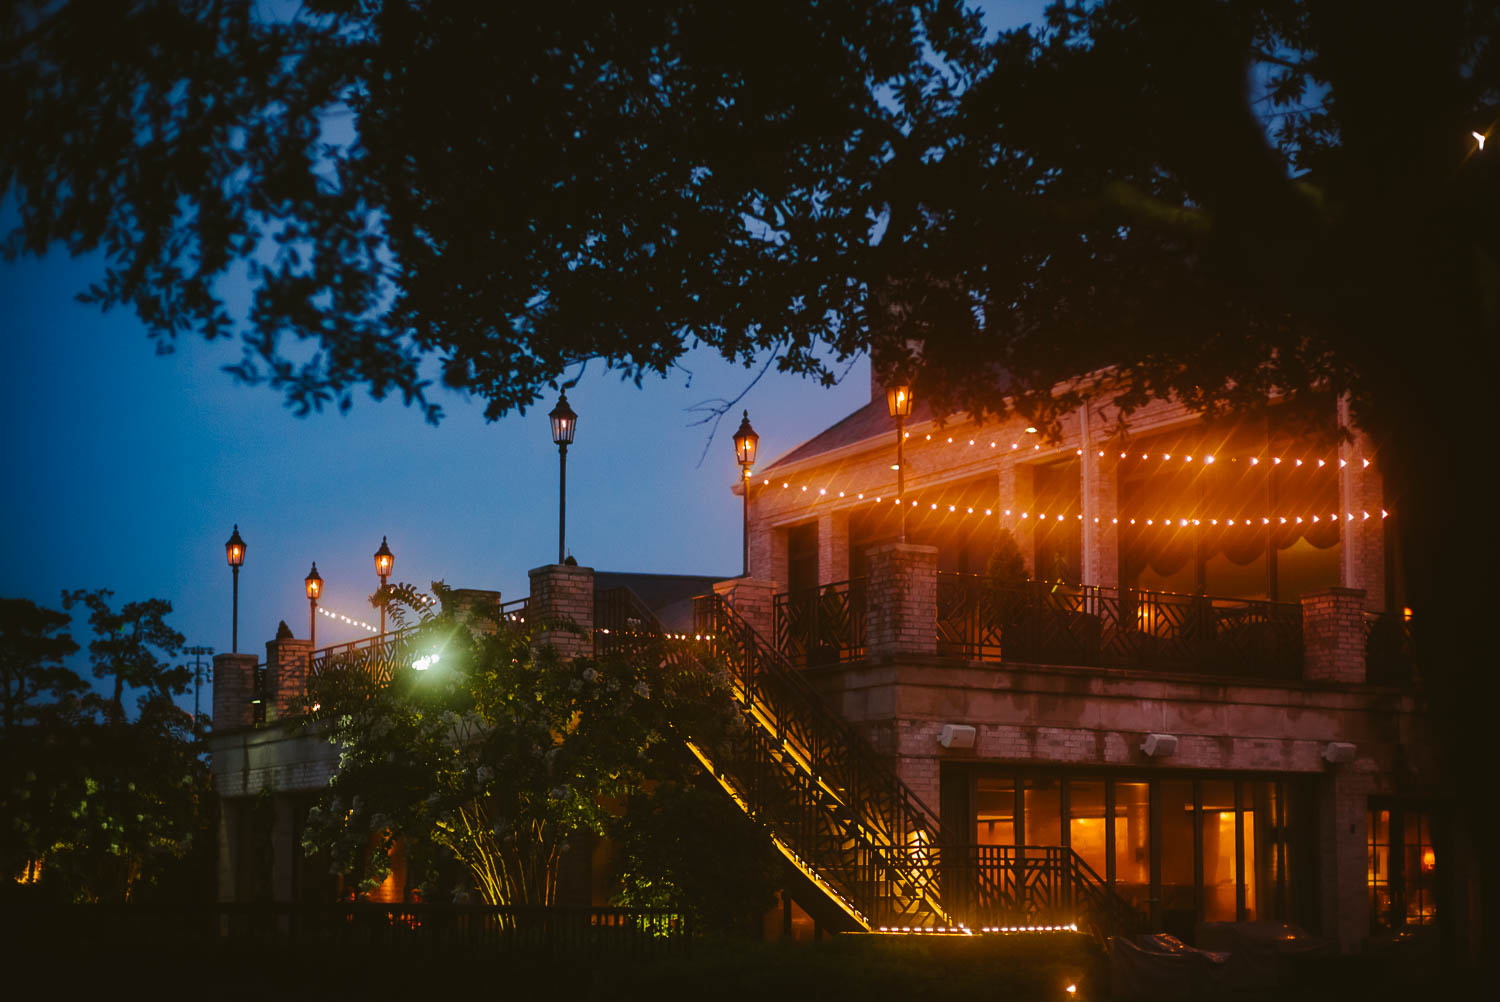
x: 898, y: 401
x: 564, y: 421
x: 234, y: 549
x: 314, y: 583
x: 384, y: 560
x: 745, y: 443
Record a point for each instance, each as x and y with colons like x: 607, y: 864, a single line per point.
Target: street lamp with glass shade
x: 745, y: 444
x: 564, y: 424
x: 898, y: 402
x: 234, y: 552
x: 314, y: 584
x: 384, y: 561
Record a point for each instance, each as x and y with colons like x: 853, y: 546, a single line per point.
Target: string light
x: 325, y: 611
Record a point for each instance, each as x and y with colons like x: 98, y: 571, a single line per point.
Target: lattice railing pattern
x: 823, y: 625
x: 1097, y: 626
x: 378, y: 657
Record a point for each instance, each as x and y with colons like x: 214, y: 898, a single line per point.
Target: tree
x: 484, y: 756
x: 34, y: 682
x: 133, y: 647
x: 1215, y: 201
x: 108, y: 808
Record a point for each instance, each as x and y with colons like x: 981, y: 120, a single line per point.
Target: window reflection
x: 995, y: 809
x: 1220, y: 861
x: 1133, y: 843
x: 1086, y: 827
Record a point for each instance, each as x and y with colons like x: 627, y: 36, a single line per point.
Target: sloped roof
x: 870, y: 421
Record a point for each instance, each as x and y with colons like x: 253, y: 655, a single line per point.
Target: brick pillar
x: 1344, y: 801
x: 1333, y: 635
x: 752, y: 599
x: 778, y: 559
x: 1361, y: 489
x: 902, y: 590
x: 1015, y: 499
x: 234, y: 681
x: 1100, y: 494
x: 562, y: 607
x: 286, y: 677
x: 476, y: 608
x: 833, y: 547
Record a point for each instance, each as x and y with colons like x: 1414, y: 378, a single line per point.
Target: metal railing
x: 513, y: 613
x: 399, y: 928
x: 823, y: 625
x: 805, y: 771
x: 622, y: 622
x: 1097, y: 626
x: 1388, y: 649
x: 378, y: 657
x: 1007, y: 886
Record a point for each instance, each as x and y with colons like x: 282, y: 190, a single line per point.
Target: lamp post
x: 384, y: 561
x: 234, y: 550
x: 745, y: 443
x: 564, y: 424
x: 898, y: 401
x: 314, y: 585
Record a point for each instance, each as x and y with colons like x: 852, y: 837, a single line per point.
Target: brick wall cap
x: 730, y: 584
x: 565, y: 569
x: 1334, y: 590
x: 902, y: 548
x: 248, y: 659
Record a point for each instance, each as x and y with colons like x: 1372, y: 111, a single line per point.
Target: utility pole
x: 198, y: 653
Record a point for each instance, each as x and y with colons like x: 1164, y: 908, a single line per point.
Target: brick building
x: 1205, y: 689
x: 1194, y: 702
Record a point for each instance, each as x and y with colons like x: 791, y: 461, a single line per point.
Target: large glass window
x: 1420, y: 857
x: 995, y: 811
x: 1378, y: 873
x: 1220, y: 858
x: 1087, y: 829
x: 1179, y: 904
x: 1132, y: 843
x: 1043, y: 812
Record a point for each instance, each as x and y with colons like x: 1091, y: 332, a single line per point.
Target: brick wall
x: 751, y: 598
x: 1333, y: 635
x: 234, y: 681
x: 562, y: 606
x: 902, y: 589
x: 833, y: 547
x: 286, y: 677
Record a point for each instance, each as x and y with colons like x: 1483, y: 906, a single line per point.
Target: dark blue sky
x: 126, y: 470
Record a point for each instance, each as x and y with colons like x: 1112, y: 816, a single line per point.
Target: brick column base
x: 562, y: 607
x: 1333, y: 635
x: 902, y: 617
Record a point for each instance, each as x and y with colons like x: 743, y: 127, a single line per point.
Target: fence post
x: 1333, y: 635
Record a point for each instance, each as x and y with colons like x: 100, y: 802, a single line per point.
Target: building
x: 1205, y: 690
x: 1194, y: 705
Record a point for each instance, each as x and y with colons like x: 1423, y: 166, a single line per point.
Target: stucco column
x: 286, y: 676
x: 1016, y: 495
x: 833, y: 547
x: 1361, y: 490
x: 902, y: 590
x: 751, y: 599
x: 1333, y: 635
x: 234, y: 682
x: 1099, y: 493
x: 562, y: 607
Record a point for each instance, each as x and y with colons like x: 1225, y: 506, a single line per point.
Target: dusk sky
x: 127, y: 470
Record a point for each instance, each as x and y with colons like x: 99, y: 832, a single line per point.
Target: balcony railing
x: 1388, y: 651
x: 1096, y: 626
x: 822, y: 626
x: 377, y: 656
